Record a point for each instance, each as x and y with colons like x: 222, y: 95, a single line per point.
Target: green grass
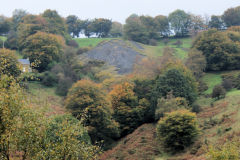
x: 41, y: 96
x: 212, y: 79
x: 181, y: 52
x: 3, y: 38
x: 90, y: 42
x: 204, y: 102
x: 233, y: 92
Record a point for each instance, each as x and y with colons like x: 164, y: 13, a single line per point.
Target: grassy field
x: 90, y: 42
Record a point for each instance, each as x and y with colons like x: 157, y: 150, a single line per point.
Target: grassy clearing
x: 233, y: 92
x: 45, y: 97
x: 212, y: 79
x: 90, y: 42
x: 181, y: 52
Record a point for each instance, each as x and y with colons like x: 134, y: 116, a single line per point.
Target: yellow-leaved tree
x: 8, y: 63
x: 43, y: 49
x: 26, y: 133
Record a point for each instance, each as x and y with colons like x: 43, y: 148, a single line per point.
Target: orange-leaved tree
x: 128, y: 111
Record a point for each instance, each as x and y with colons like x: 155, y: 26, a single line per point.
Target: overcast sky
x: 117, y: 10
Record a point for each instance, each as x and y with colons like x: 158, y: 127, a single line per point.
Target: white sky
x: 117, y: 10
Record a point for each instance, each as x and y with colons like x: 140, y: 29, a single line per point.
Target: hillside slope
x: 139, y: 145
x: 219, y: 122
x: 117, y: 53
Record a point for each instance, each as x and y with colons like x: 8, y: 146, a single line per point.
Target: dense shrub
x: 227, y: 84
x: 218, y: 92
x: 232, y: 77
x: 72, y: 43
x: 82, y: 50
x: 177, y: 130
x: 153, y: 42
x: 196, y: 108
x: 86, y: 100
x: 178, y: 43
x: 49, y: 79
x: 64, y: 83
x: 165, y: 41
x: 202, y: 86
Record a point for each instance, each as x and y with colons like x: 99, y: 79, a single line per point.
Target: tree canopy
x: 221, y: 49
x: 86, y: 100
x: 232, y: 16
x: 180, y: 22
x: 42, y: 49
x: 8, y: 63
x: 174, y: 76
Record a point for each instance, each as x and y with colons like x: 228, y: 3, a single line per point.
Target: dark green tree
x: 17, y: 17
x: 216, y: 22
x: 162, y: 25
x: 179, y: 81
x: 232, y: 16
x: 74, y: 25
x: 221, y: 49
x: 150, y: 25
x: 5, y: 25
x: 101, y: 26
x: 55, y: 23
x: 135, y: 30
x: 180, y: 22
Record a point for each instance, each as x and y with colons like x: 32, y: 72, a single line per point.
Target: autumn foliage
x: 26, y: 133
x: 87, y: 101
x: 128, y: 111
x: 8, y: 63
x: 42, y: 49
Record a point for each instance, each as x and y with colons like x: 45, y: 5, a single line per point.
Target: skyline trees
x: 178, y: 23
